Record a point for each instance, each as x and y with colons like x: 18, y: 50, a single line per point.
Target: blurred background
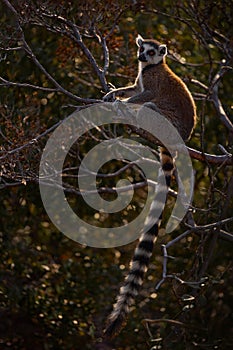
x: 56, y: 56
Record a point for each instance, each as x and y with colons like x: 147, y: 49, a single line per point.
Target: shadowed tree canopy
x: 57, y: 57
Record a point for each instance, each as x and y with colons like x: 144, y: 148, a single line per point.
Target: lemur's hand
x: 109, y: 97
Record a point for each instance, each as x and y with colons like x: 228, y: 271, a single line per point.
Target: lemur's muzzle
x: 142, y: 57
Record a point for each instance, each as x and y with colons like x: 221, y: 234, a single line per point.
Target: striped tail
x: 142, y: 254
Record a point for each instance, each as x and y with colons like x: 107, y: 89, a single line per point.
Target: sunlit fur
x: 156, y: 87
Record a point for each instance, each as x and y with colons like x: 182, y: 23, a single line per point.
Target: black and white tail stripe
x: 142, y: 254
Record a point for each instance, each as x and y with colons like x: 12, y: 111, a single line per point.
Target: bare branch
x: 51, y: 79
x: 18, y: 48
x: 75, y: 34
x: 100, y: 73
x: 214, y: 225
x: 31, y: 142
x: 214, y: 97
x: 103, y: 42
x: 226, y: 159
x: 25, y: 85
x: 200, y: 84
x: 33, y: 57
x: 226, y: 235
x: 174, y: 322
x: 11, y: 7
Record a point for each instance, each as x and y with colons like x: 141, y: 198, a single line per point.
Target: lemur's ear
x: 162, y: 50
x: 139, y: 40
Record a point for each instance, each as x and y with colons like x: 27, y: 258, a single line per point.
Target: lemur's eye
x: 141, y: 49
x: 151, y: 52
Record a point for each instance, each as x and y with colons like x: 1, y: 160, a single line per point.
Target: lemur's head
x: 150, y: 51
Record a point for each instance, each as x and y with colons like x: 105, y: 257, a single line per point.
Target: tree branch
x: 33, y: 57
x: 226, y: 159
x: 25, y: 85
x: 217, y: 103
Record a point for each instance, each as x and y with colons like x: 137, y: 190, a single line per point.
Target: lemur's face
x: 150, y: 52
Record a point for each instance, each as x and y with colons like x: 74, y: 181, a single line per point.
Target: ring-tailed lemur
x: 157, y: 87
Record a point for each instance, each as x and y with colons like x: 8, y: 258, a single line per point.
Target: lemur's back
x: 171, y: 97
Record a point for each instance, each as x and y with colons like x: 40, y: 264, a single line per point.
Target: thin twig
x: 227, y: 159
x: 25, y: 85
x: 174, y: 322
x: 31, y: 142
x: 33, y: 57
x: 216, y: 101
